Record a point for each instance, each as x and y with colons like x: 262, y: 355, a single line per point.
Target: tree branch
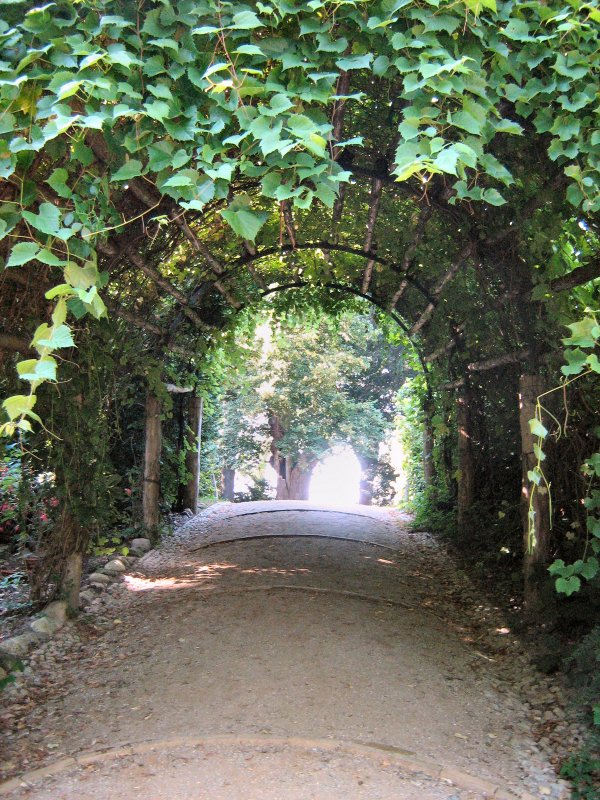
x: 464, y: 254
x: 577, y: 277
x: 410, y: 251
x: 489, y: 364
x: 376, y: 188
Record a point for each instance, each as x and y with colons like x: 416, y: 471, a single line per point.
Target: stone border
x: 290, y: 536
x: 301, y: 510
x: 404, y: 759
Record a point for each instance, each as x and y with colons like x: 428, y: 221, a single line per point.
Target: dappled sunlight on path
x: 333, y: 626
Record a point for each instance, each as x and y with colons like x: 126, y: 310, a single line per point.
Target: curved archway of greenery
x: 166, y: 166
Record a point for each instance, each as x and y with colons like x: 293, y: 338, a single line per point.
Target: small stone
x: 57, y: 611
x: 3, y: 674
x: 45, y: 625
x: 100, y: 577
x: 545, y: 790
x: 86, y: 597
x: 114, y: 567
x: 140, y: 546
x: 20, y: 645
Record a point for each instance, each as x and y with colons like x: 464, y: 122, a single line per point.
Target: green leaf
x: 355, y: 62
x: 18, y: 405
x: 245, y: 222
x: 245, y: 20
x: 22, y: 253
x: 42, y: 369
x: 58, y: 181
x: 447, y: 159
x: 130, y: 169
x: 61, y: 290
x: 583, y: 333
x: 576, y: 361
x: 534, y: 476
x: 568, y: 585
x: 493, y: 197
x: 47, y: 220
x: 537, y: 429
x: 590, y: 568
x: 54, y: 337
x: 81, y: 277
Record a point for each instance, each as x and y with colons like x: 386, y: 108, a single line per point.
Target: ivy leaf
x: 245, y: 20
x: 446, y: 160
x: 19, y: 405
x: 245, y: 222
x: 130, y: 169
x: 22, y: 253
x: 54, y: 337
x: 583, y: 333
x: 355, y: 62
x: 58, y: 182
x: 47, y: 220
x: 590, y: 567
x: 493, y: 197
x: 568, y: 586
x: 42, y: 369
x: 537, y: 429
x: 576, y: 360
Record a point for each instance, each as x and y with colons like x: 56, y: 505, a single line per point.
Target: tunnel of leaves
x: 167, y: 167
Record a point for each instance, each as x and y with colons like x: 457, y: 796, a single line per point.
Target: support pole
x: 536, y: 508
x: 192, y: 456
x: 151, y: 488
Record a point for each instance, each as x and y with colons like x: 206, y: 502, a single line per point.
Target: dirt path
x: 260, y: 644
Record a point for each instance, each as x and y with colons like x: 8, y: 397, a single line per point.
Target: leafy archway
x: 172, y: 163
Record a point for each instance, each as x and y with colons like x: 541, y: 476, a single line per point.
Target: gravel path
x: 278, y: 625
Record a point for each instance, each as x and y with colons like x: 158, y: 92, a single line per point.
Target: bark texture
x: 151, y: 489
x: 466, y: 461
x: 192, y: 456
x: 228, y: 483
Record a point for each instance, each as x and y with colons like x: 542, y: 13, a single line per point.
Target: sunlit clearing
x: 336, y: 480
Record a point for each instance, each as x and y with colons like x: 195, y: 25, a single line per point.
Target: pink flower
x: 53, y: 502
x: 127, y: 492
x: 44, y: 517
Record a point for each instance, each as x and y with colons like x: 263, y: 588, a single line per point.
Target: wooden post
x: 466, y: 463
x: 192, y: 456
x: 534, y: 509
x: 151, y: 488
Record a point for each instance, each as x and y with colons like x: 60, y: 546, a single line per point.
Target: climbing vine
x: 190, y: 101
x: 582, y: 360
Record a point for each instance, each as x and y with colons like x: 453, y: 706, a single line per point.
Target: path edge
x: 405, y: 759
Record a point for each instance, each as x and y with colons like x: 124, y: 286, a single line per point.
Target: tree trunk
x: 151, y: 488
x: 228, y: 484
x: 535, y: 505
x: 368, y: 466
x: 466, y: 462
x: 71, y: 581
x: 428, y: 443
x: 192, y: 456
x: 295, y: 484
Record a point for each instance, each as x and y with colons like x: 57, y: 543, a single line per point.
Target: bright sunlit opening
x: 336, y: 479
